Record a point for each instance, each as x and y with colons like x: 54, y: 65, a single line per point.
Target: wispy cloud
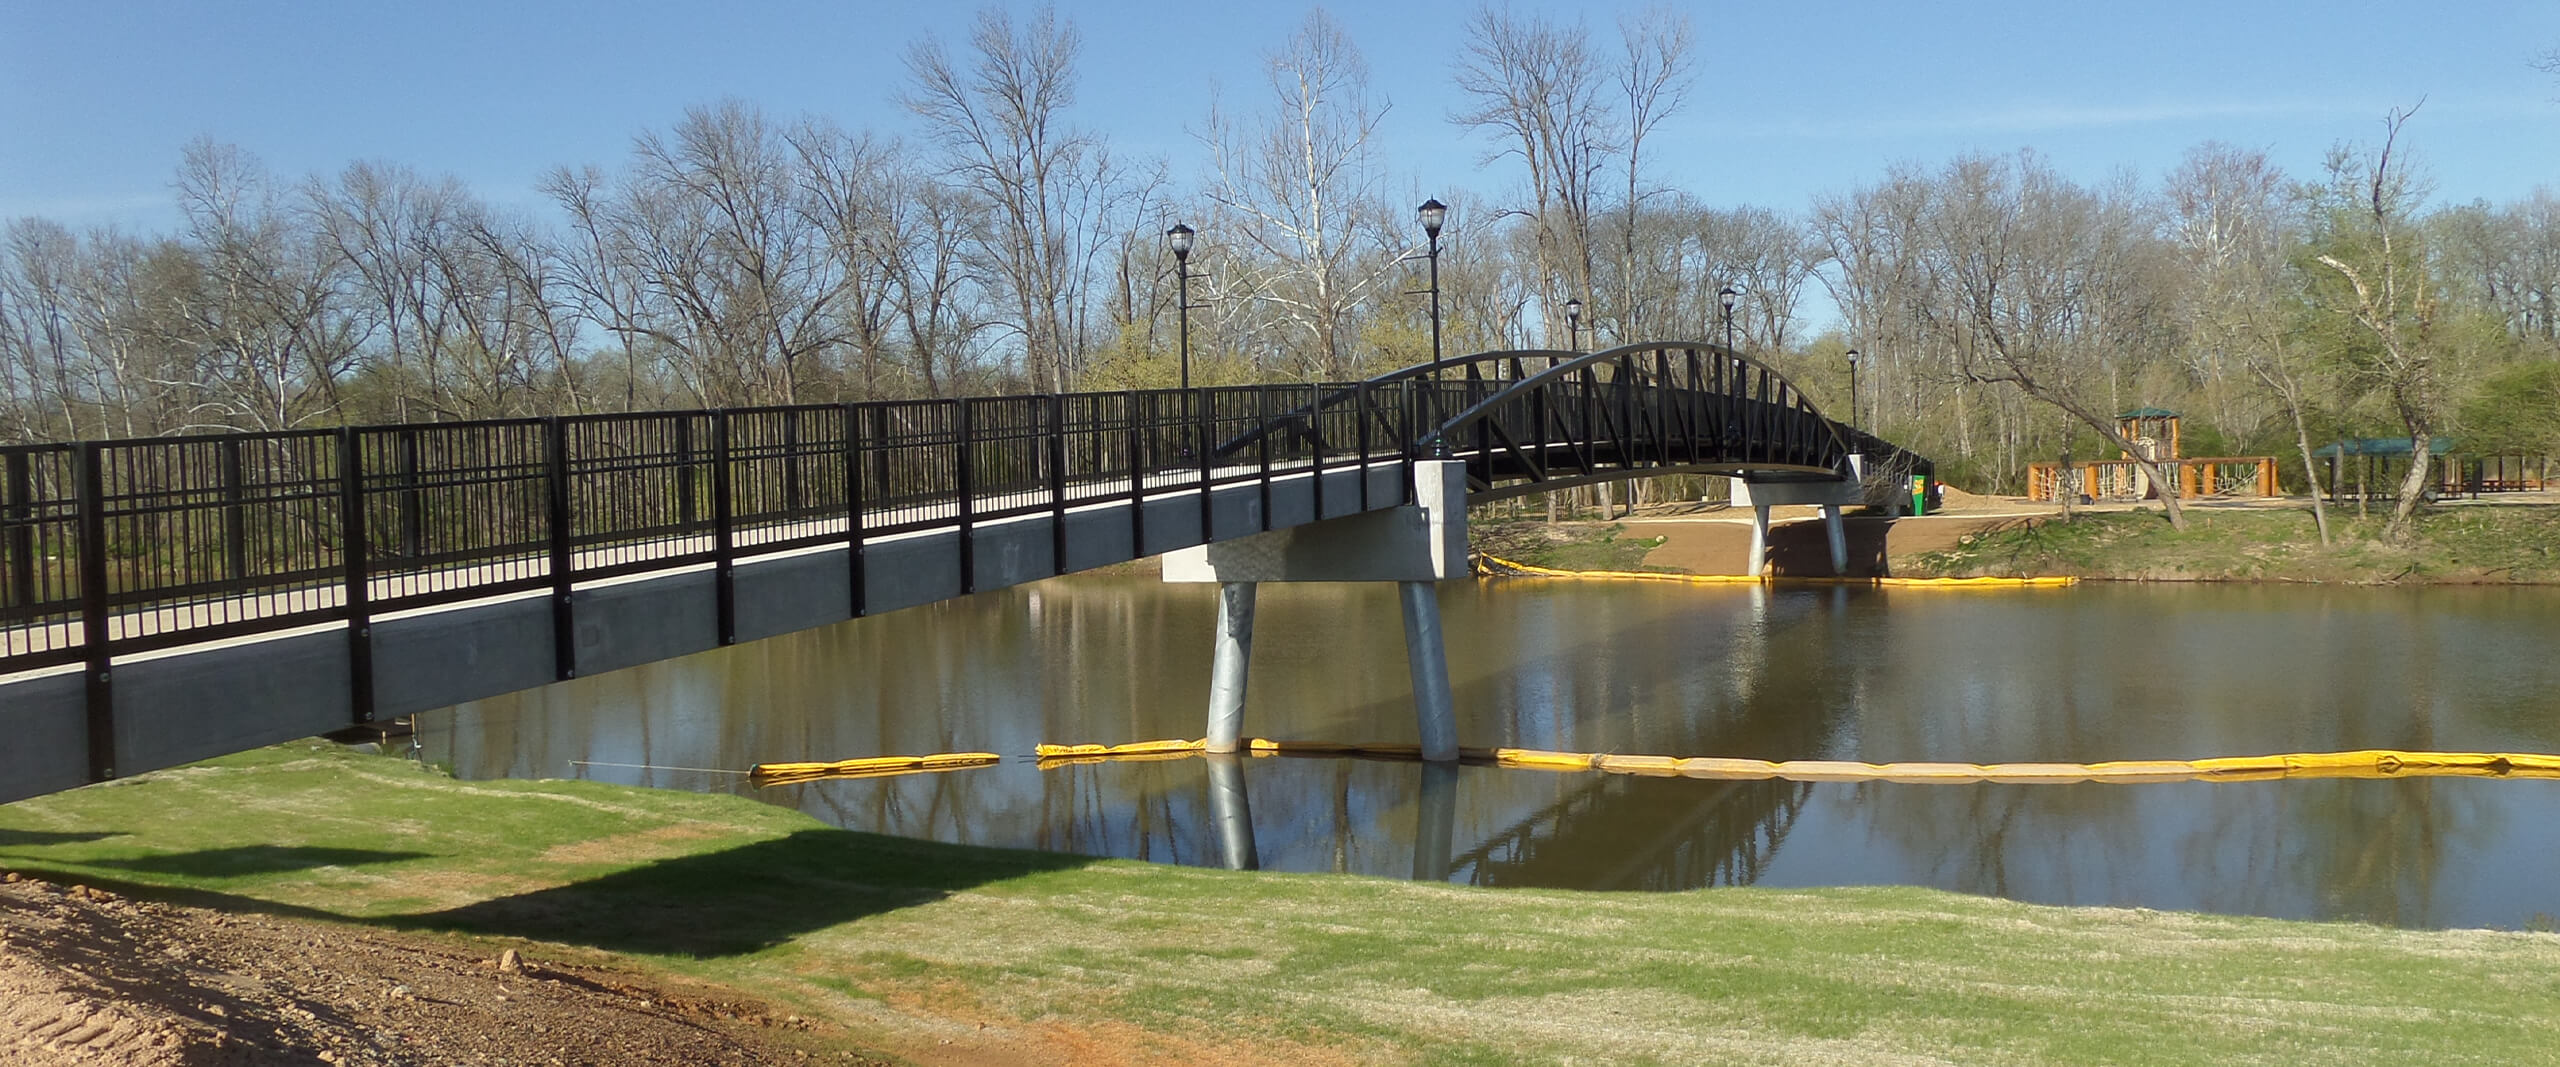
x: 2047, y: 118
x: 95, y: 209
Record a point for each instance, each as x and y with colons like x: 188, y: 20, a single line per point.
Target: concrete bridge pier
x: 1426, y: 656
x: 1234, y: 653
x: 1831, y: 495
x: 1415, y: 546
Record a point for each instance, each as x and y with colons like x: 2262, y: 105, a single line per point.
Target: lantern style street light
x: 1853, y: 388
x: 1726, y: 295
x: 1573, y: 324
x: 1433, y: 214
x: 1180, y: 238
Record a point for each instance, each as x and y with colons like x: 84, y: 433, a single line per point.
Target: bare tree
x: 999, y: 114
x: 1541, y: 93
x: 1299, y: 189
x: 1653, y: 80
x: 2225, y: 216
x: 260, y: 307
x: 2368, y: 268
x: 2040, y: 284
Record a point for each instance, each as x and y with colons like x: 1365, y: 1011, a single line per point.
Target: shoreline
x: 711, y: 914
x: 2483, y: 543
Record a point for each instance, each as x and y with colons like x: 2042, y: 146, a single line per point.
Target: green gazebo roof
x: 2149, y: 413
x: 2385, y: 446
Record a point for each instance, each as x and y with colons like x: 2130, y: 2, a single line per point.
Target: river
x: 2095, y: 672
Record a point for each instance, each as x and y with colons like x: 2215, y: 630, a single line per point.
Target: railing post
x: 1407, y: 399
x: 1137, y: 475
x: 856, y: 591
x: 1360, y: 435
x: 1315, y: 448
x: 354, y: 553
x: 1058, y: 482
x: 1662, y: 406
x: 965, y: 479
x: 1625, y: 380
x: 1539, y: 416
x: 1262, y: 446
x: 880, y: 483
x: 794, y: 494
x: 1208, y: 485
x: 412, y: 522
x: 686, y: 507
x: 22, y: 532
x: 1588, y: 454
x: 99, y: 677
x: 564, y: 627
x: 235, y: 517
x: 1689, y: 407
x: 724, y: 534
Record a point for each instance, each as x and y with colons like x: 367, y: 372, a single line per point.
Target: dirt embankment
x: 1719, y: 542
x: 90, y: 978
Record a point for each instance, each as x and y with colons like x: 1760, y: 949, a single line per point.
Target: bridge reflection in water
x: 1564, y: 673
x: 1646, y: 668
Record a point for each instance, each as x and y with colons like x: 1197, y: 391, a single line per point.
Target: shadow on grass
x: 744, y: 899
x: 14, y: 838
x: 255, y: 859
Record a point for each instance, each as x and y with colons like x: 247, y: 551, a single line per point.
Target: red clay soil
x: 1717, y: 542
x: 90, y: 978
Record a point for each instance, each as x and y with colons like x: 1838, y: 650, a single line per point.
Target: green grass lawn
x: 1577, y: 546
x: 2493, y: 543
x: 885, y: 935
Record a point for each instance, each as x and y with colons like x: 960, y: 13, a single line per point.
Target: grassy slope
x: 2464, y: 544
x: 1573, y: 546
x: 865, y: 929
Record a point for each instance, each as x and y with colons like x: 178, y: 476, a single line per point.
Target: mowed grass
x: 2460, y: 543
x: 901, y: 940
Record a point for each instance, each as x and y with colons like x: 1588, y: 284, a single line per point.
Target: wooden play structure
x: 2155, y: 432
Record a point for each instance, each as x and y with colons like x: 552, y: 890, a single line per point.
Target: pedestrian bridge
x: 169, y: 599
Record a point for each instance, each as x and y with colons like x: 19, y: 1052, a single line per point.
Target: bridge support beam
x: 1414, y: 546
x: 1839, y: 534
x: 1758, y: 560
x: 1831, y: 494
x: 1426, y: 654
x: 1228, y: 666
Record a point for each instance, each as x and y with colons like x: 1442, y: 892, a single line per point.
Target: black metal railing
x: 110, y: 548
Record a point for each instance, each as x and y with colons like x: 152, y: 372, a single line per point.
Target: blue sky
x: 1797, y: 99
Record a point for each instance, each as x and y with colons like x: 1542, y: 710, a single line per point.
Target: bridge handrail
x: 1617, y: 357
x: 134, y: 545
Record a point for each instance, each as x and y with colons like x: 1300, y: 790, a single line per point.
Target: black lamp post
x: 1180, y: 238
x: 1573, y: 324
x: 1853, y: 388
x: 1726, y: 295
x: 1433, y: 214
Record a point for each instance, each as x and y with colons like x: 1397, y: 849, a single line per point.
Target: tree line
x: 2002, y: 312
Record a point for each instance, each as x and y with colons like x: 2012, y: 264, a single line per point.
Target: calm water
x: 2084, y: 674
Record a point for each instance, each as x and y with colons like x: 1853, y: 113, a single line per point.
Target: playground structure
x: 2155, y: 432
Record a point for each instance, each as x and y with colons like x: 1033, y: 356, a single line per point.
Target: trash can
x: 1919, y: 494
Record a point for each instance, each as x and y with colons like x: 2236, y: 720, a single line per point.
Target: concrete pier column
x: 1759, y: 558
x: 1228, y: 667
x: 1839, y: 540
x: 1230, y: 811
x: 1434, y: 710
x: 1435, y: 829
